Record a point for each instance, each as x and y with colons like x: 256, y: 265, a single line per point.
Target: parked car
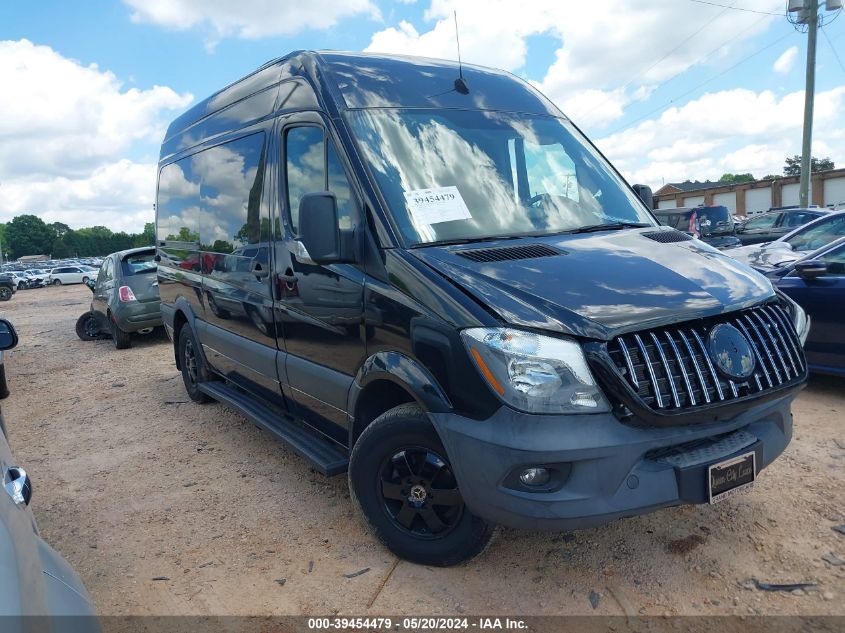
x: 72, y: 275
x: 480, y: 320
x: 792, y: 246
x: 8, y: 286
x: 771, y: 226
x: 817, y: 283
x: 36, y: 580
x: 711, y: 224
x: 20, y: 280
x: 37, y: 277
x: 125, y: 298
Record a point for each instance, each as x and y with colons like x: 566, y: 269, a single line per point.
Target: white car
x: 72, y: 275
x: 37, y: 275
x: 20, y: 279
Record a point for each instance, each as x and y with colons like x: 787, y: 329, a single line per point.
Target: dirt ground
x: 168, y: 507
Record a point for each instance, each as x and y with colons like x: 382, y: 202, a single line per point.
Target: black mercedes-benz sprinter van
x: 432, y: 280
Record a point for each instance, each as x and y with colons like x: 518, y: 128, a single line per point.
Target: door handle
x: 258, y: 270
x: 18, y: 485
x: 289, y: 279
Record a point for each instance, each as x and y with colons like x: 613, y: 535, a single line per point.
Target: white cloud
x: 118, y: 195
x: 786, y: 61
x: 607, y: 51
x: 65, y: 135
x: 66, y: 118
x: 727, y: 131
x: 248, y: 19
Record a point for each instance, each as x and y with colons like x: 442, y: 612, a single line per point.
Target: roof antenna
x: 460, y: 84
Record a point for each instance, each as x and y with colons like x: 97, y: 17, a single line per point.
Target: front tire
x: 401, y: 480
x: 193, y: 369
x: 121, y: 339
x: 5, y: 293
x: 57, y: 282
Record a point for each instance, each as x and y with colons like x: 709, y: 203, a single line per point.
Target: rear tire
x: 121, y: 339
x: 398, y: 471
x: 88, y: 327
x: 5, y: 293
x: 193, y: 369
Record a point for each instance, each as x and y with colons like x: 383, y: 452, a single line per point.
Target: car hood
x: 765, y: 256
x: 603, y: 284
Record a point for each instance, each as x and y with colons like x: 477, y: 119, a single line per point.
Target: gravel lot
x: 168, y: 507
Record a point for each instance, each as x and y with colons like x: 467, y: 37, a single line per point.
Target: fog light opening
x: 535, y: 476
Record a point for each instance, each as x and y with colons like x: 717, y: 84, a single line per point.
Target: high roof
x: 337, y: 81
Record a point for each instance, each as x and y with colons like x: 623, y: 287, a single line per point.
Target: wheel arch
x: 386, y: 380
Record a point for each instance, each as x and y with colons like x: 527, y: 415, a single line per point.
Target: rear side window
x: 798, y: 219
x: 138, y: 264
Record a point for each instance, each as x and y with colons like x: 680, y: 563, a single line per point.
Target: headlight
x: 534, y: 373
x: 799, y: 317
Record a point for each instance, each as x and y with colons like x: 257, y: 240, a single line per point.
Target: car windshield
x: 814, y: 236
x: 457, y: 175
x: 139, y: 264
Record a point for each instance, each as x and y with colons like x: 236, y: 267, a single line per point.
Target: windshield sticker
x: 435, y: 205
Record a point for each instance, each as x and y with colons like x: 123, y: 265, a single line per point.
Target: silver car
x: 34, y: 579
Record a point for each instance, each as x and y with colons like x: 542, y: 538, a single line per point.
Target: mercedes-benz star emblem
x: 731, y: 352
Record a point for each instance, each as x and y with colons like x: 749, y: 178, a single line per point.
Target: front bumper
x: 608, y: 470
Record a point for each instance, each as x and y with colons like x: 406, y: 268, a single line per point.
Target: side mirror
x: 812, y: 269
x: 320, y: 232
x: 91, y: 284
x: 8, y: 336
x: 645, y: 194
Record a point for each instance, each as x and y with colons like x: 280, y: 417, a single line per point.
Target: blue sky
x: 90, y: 86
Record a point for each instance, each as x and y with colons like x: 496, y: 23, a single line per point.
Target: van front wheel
x: 401, y: 479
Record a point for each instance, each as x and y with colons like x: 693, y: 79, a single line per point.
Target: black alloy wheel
x: 402, y: 481
x: 191, y: 363
x: 420, y: 493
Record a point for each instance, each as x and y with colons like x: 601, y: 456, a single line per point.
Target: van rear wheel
x: 401, y: 479
x: 193, y: 370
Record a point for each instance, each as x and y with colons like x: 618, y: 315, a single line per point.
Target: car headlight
x: 534, y: 373
x: 800, y: 319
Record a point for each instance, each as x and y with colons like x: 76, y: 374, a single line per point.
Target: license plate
x: 731, y: 477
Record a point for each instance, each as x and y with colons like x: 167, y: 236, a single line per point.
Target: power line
x: 696, y: 87
x: 833, y: 50
x: 714, y: 4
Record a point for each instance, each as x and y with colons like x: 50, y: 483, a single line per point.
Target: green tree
x: 29, y: 235
x: 147, y: 237
x: 737, y: 178
x: 792, y: 167
x: 185, y: 235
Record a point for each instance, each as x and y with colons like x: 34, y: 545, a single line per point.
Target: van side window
x: 178, y: 217
x: 305, y: 167
x: 233, y: 220
x: 312, y: 165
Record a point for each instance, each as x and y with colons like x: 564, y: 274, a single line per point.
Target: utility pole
x: 812, y: 12
x: 808, y: 16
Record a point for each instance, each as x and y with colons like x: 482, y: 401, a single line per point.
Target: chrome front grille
x: 670, y: 369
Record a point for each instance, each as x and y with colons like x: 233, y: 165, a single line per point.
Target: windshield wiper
x: 612, y: 226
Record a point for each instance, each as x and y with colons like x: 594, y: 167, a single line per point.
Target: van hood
x: 603, y: 284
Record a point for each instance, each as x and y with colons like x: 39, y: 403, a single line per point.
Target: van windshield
x: 458, y: 175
